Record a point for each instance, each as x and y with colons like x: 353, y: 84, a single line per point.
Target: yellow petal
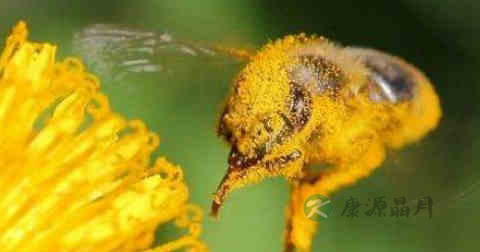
x: 75, y: 176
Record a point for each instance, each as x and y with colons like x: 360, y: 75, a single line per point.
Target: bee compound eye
x: 300, y: 107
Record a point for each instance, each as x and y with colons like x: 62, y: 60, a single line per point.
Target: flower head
x: 75, y: 176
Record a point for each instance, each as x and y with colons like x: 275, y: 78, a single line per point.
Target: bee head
x: 266, y: 116
x: 270, y: 103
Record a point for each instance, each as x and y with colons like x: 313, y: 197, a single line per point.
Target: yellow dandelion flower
x: 74, y: 176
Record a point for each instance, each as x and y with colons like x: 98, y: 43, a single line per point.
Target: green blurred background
x: 438, y: 36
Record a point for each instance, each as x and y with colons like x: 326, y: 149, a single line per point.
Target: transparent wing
x: 116, y: 50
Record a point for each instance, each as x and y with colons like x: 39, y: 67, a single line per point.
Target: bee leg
x: 299, y: 229
x: 294, y: 212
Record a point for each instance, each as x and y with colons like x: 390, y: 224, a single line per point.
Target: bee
x: 305, y: 100
x: 299, y: 101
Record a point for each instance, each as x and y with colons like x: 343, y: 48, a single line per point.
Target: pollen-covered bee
x: 304, y: 100
x: 299, y: 101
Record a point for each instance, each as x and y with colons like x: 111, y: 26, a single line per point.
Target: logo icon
x: 317, y: 207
